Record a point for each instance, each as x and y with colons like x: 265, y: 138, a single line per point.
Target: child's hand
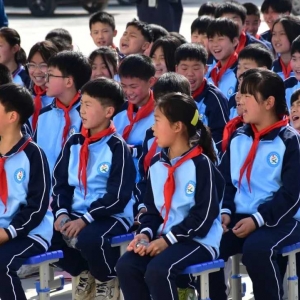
x: 72, y: 228
x: 156, y: 247
x: 244, y: 227
x: 225, y: 222
x: 3, y: 236
x: 58, y: 221
x: 141, y: 249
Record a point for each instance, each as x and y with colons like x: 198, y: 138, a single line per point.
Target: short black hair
x: 201, y: 24
x: 137, y: 66
x: 169, y: 44
x: 179, y: 36
x: 60, y: 33
x: 14, y: 97
x: 258, y: 53
x: 102, y: 17
x: 295, y: 46
x: 252, y: 9
x: 5, y: 75
x: 223, y: 27
x: 207, y: 9
x: 279, y: 6
x: 295, y: 96
x: 191, y: 52
x: 158, y: 31
x: 107, y: 91
x: 45, y: 48
x: 71, y: 63
x: 143, y: 27
x: 231, y: 8
x: 171, y: 82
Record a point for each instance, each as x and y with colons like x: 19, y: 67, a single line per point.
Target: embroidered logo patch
x: 19, y: 175
x: 72, y: 130
x: 190, y: 188
x: 273, y: 159
x: 230, y: 91
x: 103, y: 167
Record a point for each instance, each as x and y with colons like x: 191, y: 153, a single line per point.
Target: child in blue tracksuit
x: 182, y: 224
x: 261, y: 168
x: 93, y: 182
x: 26, y: 224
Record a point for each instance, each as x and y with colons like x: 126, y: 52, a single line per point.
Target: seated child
x: 5, y: 74
x: 67, y: 72
x: 93, y: 182
x: 295, y: 110
x: 184, y: 193
x: 207, y: 9
x: 136, y: 38
x: 212, y: 104
x: 26, y: 224
x: 61, y: 38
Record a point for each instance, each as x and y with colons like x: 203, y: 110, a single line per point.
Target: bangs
x: 250, y: 85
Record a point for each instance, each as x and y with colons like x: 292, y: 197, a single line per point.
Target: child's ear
x: 270, y: 103
x: 177, y: 126
x: 15, y: 48
x: 115, y: 33
x: 152, y: 81
x: 14, y: 116
x: 70, y: 82
x: 110, y: 110
x: 145, y: 46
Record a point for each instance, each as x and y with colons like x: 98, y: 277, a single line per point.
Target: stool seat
x: 38, y: 259
x: 121, y: 238
x: 290, y: 248
x: 204, y: 267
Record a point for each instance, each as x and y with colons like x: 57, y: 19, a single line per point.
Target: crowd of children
x: 195, y: 146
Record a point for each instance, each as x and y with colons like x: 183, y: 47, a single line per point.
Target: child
x: 136, y: 38
x: 61, y: 38
x: 207, y: 9
x: 295, y: 110
x: 273, y: 10
x: 261, y: 169
x: 253, y: 21
x: 184, y: 190
x: 92, y: 187
x: 67, y: 72
x: 104, y: 62
x: 13, y: 56
x: 163, y: 55
x: 284, y: 31
x: 5, y: 75
x: 25, y: 222
x: 37, y: 66
x: 212, y: 104
x: 223, y: 36
x: 103, y: 29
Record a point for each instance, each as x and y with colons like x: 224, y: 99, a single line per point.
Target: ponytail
x: 20, y: 57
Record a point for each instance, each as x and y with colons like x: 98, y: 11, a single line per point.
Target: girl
x: 284, y: 31
x: 261, y: 201
x: 13, y: 56
x: 163, y: 54
x: 182, y: 224
x: 104, y: 63
x: 37, y: 67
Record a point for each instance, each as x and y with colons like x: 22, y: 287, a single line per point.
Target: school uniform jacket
x: 276, y: 68
x: 110, y: 181
x: 195, y: 209
x: 267, y: 35
x: 275, y: 176
x: 50, y: 126
x: 291, y: 85
x: 21, y: 77
x: 28, y: 182
x: 232, y: 107
x: 252, y: 40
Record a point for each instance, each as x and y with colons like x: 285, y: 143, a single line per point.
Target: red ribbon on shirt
x: 247, y: 166
x: 286, y: 70
x: 242, y: 42
x: 84, y: 151
x: 66, y: 110
x: 142, y: 113
x: 200, y: 89
x: 39, y: 92
x: 229, y: 129
x: 149, y: 155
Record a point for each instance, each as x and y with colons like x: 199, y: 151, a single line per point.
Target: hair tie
x: 195, y: 118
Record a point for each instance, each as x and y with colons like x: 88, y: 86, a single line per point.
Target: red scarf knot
x: 242, y: 42
x: 229, y: 129
x: 149, y: 155
x: 286, y: 70
x: 200, y: 89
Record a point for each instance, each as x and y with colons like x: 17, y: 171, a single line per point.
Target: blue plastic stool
x: 203, y: 271
x: 43, y: 286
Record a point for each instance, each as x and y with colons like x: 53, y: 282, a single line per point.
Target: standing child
x: 252, y: 21
x: 184, y: 190
x: 93, y: 182
x: 13, y: 56
x: 25, y: 221
x: 207, y: 9
x: 284, y: 31
x: 67, y: 72
x: 261, y: 168
x: 61, y: 38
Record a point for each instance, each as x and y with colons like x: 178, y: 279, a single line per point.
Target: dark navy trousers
x: 142, y: 276
x: 12, y: 256
x: 260, y: 256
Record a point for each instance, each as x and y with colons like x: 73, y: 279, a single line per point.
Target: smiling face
x: 99, y: 68
x: 295, y: 114
x: 37, y: 69
x: 280, y: 40
x: 200, y: 38
x: 295, y: 64
x: 252, y: 24
x: 270, y: 16
x: 102, y: 34
x: 159, y: 62
x: 7, y: 53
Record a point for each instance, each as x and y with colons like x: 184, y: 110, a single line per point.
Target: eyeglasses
x: 47, y: 76
x: 32, y: 67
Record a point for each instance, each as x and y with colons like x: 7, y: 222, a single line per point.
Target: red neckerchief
x: 217, y: 75
x: 3, y: 179
x: 84, y: 151
x: 285, y: 70
x: 169, y: 187
x: 149, y: 155
x: 247, y: 166
x: 39, y: 92
x: 257, y: 36
x: 242, y: 42
x: 200, y: 89
x: 142, y: 113
x: 229, y: 129
x: 66, y: 115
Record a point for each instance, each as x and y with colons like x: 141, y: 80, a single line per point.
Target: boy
x: 293, y: 83
x: 207, y: 9
x: 103, y: 29
x: 68, y: 71
x: 5, y: 75
x: 93, y: 182
x: 136, y: 38
x: 25, y: 221
x: 61, y: 38
x: 253, y: 21
x: 212, y: 104
x: 223, y: 36
x: 272, y: 10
